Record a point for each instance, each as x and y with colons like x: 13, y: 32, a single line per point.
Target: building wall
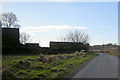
x: 10, y: 37
x: 70, y: 46
x: 32, y: 44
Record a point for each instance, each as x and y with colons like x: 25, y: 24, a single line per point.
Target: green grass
x: 32, y: 67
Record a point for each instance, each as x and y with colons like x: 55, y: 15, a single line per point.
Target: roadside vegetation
x: 111, y: 51
x: 114, y: 54
x: 42, y: 66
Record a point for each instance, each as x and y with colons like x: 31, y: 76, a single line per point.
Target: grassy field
x: 42, y: 66
x: 111, y: 51
x: 114, y: 54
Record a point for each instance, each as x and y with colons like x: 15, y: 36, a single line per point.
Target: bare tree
x: 9, y: 20
x: 24, y: 38
x: 76, y: 36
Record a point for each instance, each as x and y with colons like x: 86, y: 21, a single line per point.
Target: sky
x: 49, y: 21
x: 59, y: 0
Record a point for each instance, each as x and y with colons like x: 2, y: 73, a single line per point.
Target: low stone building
x: 68, y: 46
x: 32, y: 44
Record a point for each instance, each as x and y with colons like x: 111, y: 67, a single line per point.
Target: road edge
x: 79, y: 68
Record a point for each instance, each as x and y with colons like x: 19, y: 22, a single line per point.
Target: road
x: 102, y: 66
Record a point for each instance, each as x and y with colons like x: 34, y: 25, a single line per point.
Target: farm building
x: 10, y: 37
x: 11, y: 44
x: 32, y: 44
x: 68, y: 46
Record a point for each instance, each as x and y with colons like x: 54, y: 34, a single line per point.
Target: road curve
x: 102, y: 66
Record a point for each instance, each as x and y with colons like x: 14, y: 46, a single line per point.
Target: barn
x: 10, y: 37
x: 11, y: 44
x: 68, y: 46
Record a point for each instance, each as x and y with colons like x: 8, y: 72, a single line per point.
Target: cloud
x: 49, y: 28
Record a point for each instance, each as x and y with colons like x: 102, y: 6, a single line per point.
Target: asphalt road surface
x: 102, y: 66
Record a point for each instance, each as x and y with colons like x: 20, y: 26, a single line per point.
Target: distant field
x: 114, y: 54
x: 111, y: 51
x: 42, y: 66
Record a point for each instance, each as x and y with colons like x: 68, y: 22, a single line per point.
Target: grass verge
x: 47, y: 66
